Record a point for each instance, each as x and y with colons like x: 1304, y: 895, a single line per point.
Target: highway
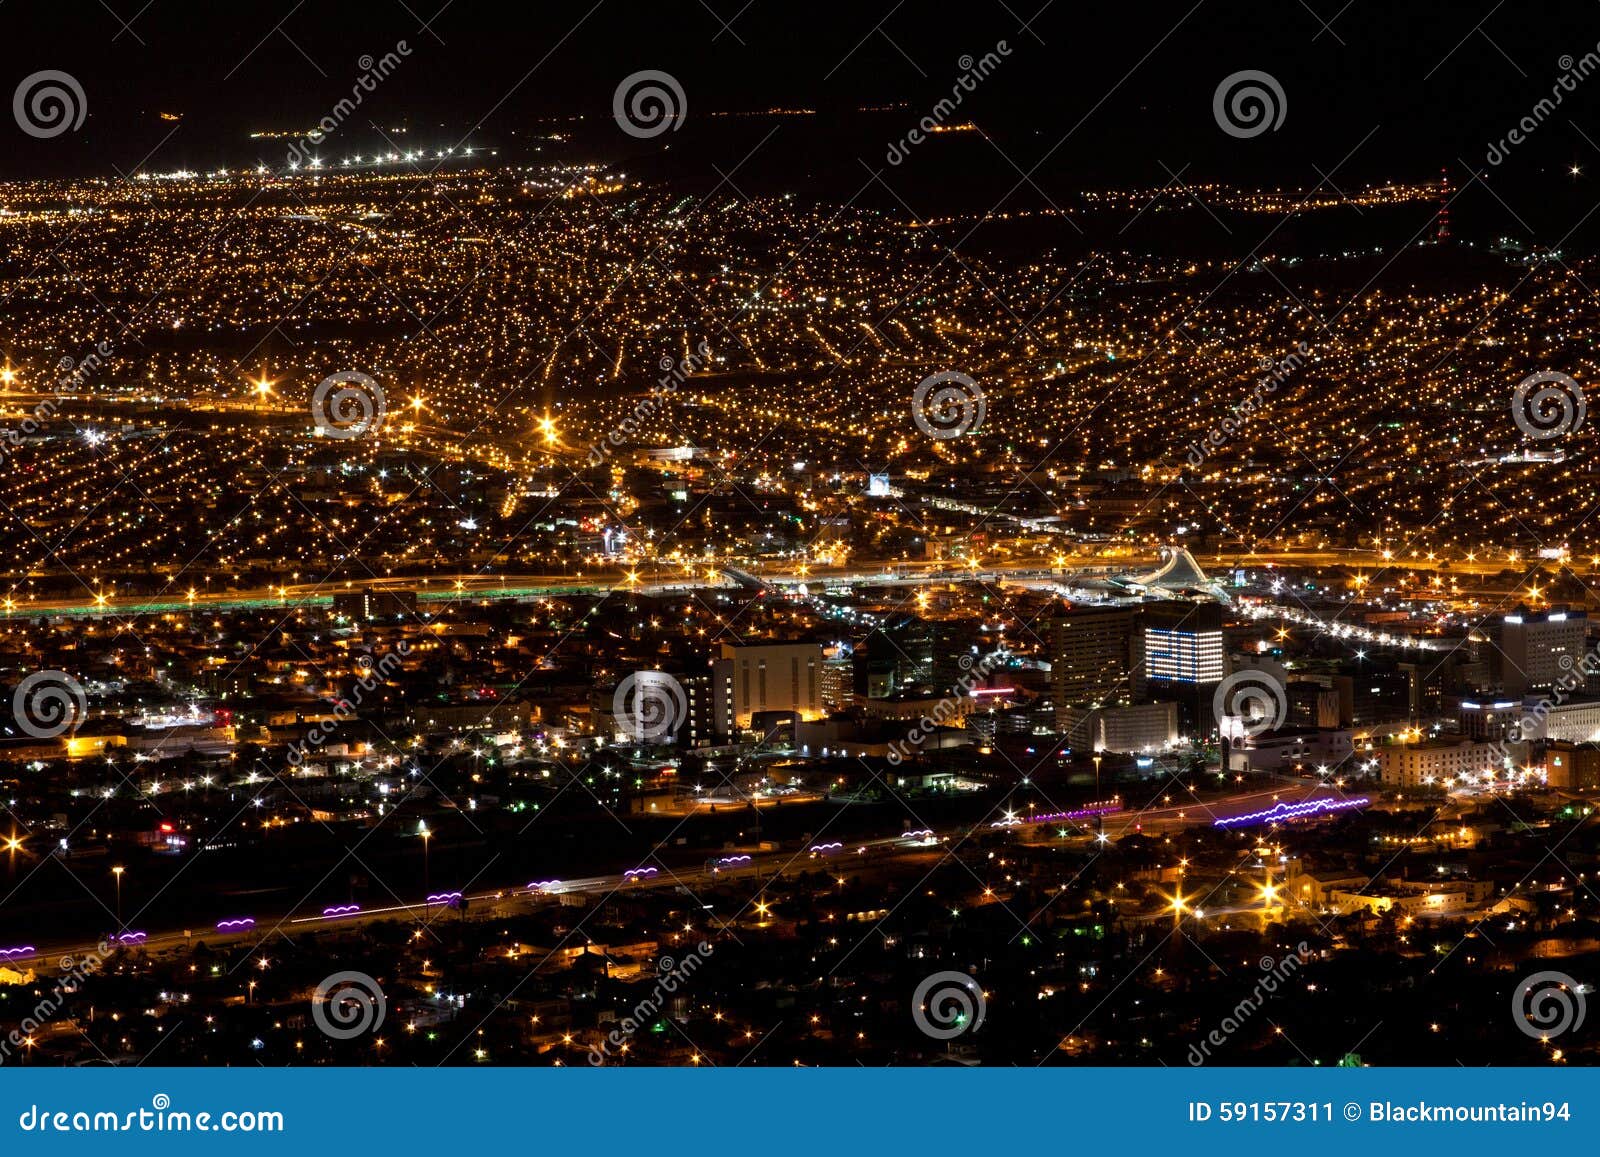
x: 833, y: 856
x: 1042, y: 573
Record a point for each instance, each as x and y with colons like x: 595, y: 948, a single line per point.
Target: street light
x: 117, y: 872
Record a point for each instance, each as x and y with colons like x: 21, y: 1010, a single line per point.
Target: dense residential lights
x: 814, y: 599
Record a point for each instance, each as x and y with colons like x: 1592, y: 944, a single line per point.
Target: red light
x: 166, y: 826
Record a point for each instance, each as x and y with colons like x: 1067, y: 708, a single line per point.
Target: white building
x: 1295, y: 749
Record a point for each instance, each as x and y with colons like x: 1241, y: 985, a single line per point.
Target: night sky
x: 1088, y: 94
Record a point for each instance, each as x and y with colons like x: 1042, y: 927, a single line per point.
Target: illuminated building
x: 955, y: 657
x: 1538, y: 649
x: 1093, y: 660
x: 1572, y: 721
x: 1183, y: 643
x: 837, y: 677
x: 1437, y: 762
x: 894, y: 657
x: 1497, y: 719
x: 1184, y: 659
x: 1134, y: 728
x: 1313, y: 705
x: 1291, y: 749
x: 1574, y: 766
x: 709, y: 719
x: 770, y: 677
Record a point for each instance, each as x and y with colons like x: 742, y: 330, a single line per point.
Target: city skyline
x: 637, y: 537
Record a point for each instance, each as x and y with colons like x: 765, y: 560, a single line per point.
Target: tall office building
x: 686, y: 707
x: 1184, y: 659
x: 911, y: 653
x: 709, y: 719
x: 957, y: 653
x: 773, y: 677
x: 1311, y: 704
x: 838, y: 674
x: 1379, y: 696
x: 1183, y: 643
x: 894, y: 657
x: 1094, y: 660
x: 1539, y: 648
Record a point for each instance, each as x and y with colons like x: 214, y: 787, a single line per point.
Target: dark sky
x: 1089, y: 93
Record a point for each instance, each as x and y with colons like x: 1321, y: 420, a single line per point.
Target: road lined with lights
x: 1308, y: 801
x: 613, y: 575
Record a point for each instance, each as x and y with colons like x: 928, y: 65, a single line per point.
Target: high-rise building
x: 1185, y: 657
x: 1311, y: 704
x: 912, y: 653
x: 774, y: 677
x: 1378, y: 696
x: 1183, y: 643
x: 894, y: 657
x: 1538, y: 648
x: 837, y: 682
x: 1094, y: 659
x: 683, y: 707
x: 709, y: 719
x: 957, y: 653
